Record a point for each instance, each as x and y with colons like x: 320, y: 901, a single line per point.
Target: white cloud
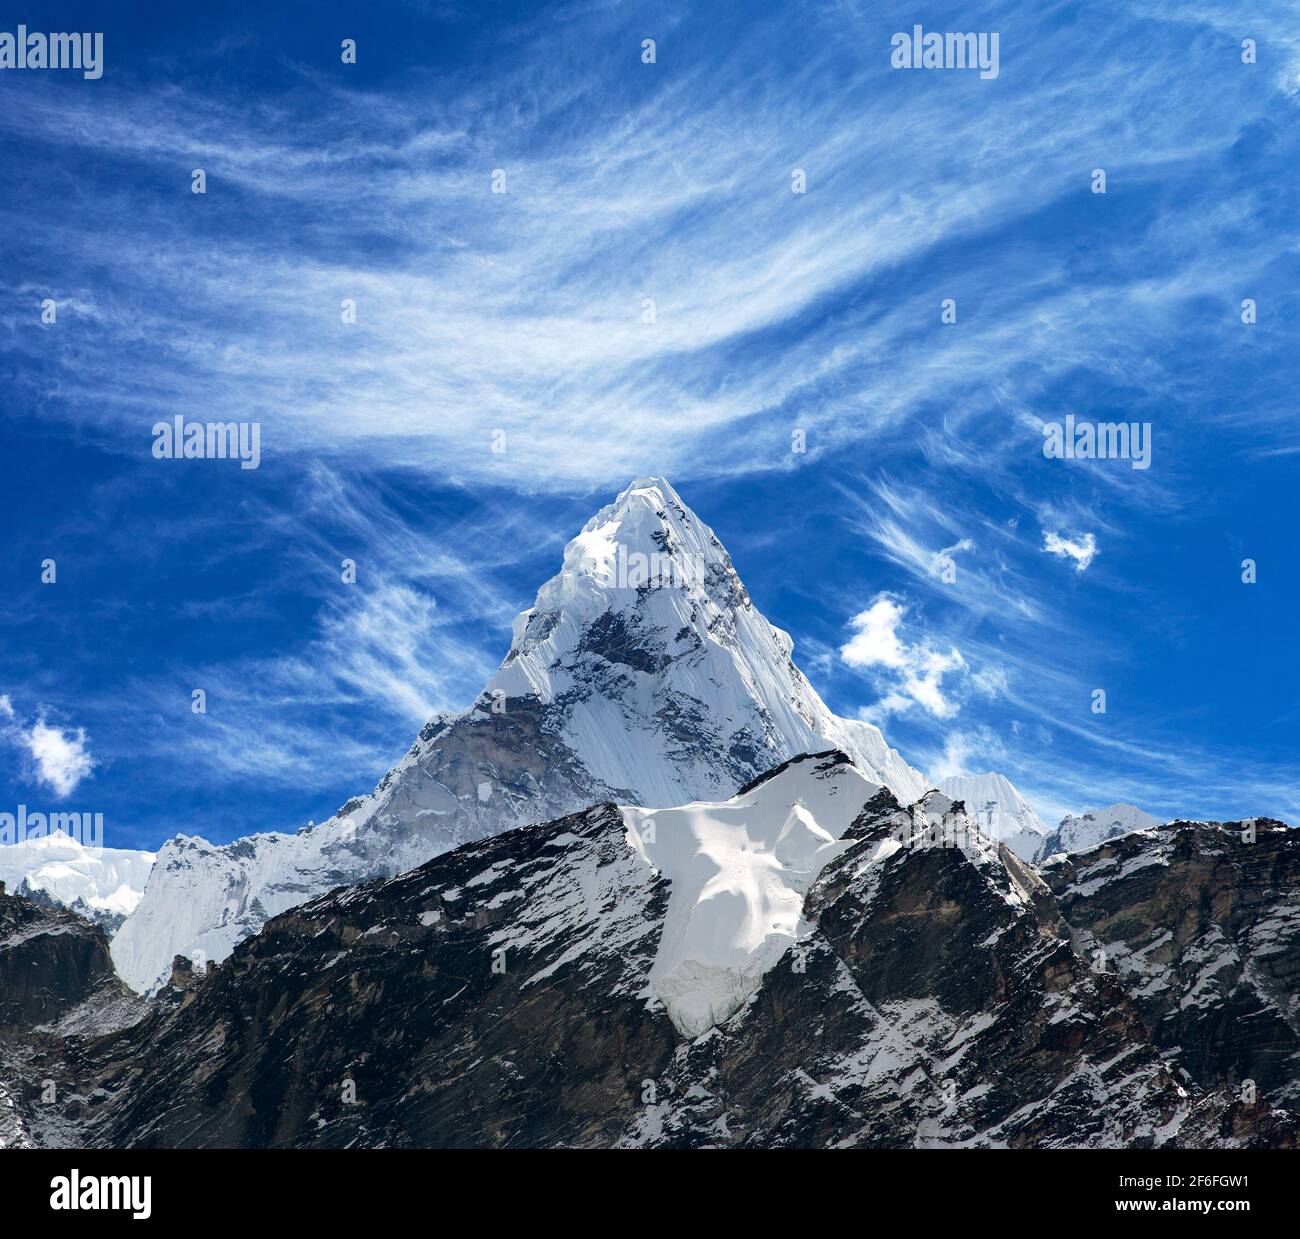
x: 1082, y: 550
x: 958, y: 748
x: 61, y: 757
x: 925, y: 686
x: 916, y: 670
x: 875, y: 641
x: 944, y: 564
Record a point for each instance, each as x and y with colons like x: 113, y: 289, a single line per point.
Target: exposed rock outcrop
x: 1200, y: 923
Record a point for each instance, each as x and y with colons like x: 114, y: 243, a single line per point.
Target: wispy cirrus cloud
x: 529, y: 313
x: 525, y: 311
x: 399, y: 641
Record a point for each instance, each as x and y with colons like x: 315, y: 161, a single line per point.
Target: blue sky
x: 523, y: 311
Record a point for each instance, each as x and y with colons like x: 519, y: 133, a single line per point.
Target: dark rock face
x: 1200, y: 923
x: 56, y: 985
x: 499, y: 996
x: 939, y: 1004
x: 50, y: 959
x: 491, y: 997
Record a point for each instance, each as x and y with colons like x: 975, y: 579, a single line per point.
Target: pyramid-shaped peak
x: 648, y: 630
x: 649, y: 488
x: 646, y: 538
x: 645, y: 681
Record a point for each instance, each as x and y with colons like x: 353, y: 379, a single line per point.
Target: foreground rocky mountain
x: 809, y: 963
x: 643, y: 673
x: 1200, y: 922
x: 56, y: 981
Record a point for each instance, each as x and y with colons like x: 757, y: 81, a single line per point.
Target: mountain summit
x: 999, y: 810
x: 1096, y: 826
x: 643, y: 674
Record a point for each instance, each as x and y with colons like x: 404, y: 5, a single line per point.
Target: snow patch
x: 739, y: 871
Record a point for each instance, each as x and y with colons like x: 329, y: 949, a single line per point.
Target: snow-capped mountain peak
x: 642, y: 674
x: 1087, y: 830
x: 648, y: 633
x: 999, y: 811
x: 104, y: 884
x: 645, y: 539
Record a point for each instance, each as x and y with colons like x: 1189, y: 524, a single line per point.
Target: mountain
x: 102, y: 884
x: 56, y: 979
x: 49, y: 960
x: 807, y: 963
x: 999, y: 811
x: 642, y: 674
x: 1078, y: 834
x: 1200, y: 923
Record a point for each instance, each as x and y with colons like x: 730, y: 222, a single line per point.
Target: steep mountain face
x: 56, y: 979
x: 1078, y: 834
x: 999, y: 811
x: 642, y: 674
x: 50, y: 959
x: 102, y: 884
x: 492, y: 996
x: 531, y: 989
x: 1200, y: 922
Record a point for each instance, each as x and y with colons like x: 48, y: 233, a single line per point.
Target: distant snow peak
x: 999, y: 811
x: 1096, y: 826
x: 101, y: 883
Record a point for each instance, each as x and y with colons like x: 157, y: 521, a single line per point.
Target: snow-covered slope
x: 999, y: 811
x: 1077, y: 834
x: 104, y: 884
x: 643, y: 674
x: 739, y: 871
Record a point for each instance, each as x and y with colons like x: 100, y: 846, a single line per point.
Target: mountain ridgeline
x: 591, y: 982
